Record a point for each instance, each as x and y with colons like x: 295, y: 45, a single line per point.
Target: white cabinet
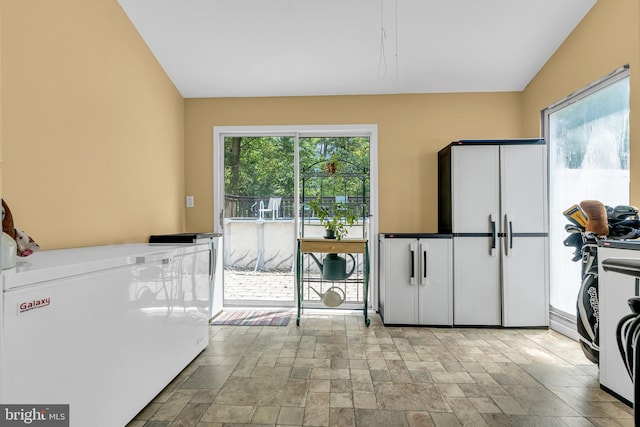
x: 415, y: 279
x: 475, y: 179
x: 525, y: 295
x: 614, y: 290
x: 476, y: 288
x: 118, y: 324
x: 492, y: 198
x: 523, y: 190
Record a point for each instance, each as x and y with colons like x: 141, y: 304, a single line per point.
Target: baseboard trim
x: 564, y: 326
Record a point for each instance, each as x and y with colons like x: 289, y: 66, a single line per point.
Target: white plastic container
x: 7, y: 252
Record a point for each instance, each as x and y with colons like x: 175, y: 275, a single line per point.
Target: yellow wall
x: 1, y: 100
x: 411, y: 130
x: 413, y: 127
x: 95, y: 138
x: 93, y: 128
x: 606, y: 39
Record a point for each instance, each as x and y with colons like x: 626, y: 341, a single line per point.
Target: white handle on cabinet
x: 508, y: 235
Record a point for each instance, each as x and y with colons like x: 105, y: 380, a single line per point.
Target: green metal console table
x: 331, y: 246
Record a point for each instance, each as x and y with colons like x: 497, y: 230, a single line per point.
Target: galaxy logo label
x: 33, y: 304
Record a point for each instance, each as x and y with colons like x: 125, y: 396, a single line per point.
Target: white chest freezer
x: 103, y: 329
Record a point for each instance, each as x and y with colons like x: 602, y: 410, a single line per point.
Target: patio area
x: 243, y: 286
x: 259, y: 261
x: 248, y: 285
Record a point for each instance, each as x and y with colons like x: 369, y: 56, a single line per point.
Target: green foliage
x: 350, y: 155
x: 259, y: 166
x: 335, y: 219
x: 263, y: 166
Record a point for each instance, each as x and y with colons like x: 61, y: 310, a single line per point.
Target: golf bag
x: 627, y: 335
x: 591, y: 221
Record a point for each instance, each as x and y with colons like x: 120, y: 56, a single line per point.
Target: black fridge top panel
x: 416, y: 235
x: 529, y: 141
x: 181, y: 237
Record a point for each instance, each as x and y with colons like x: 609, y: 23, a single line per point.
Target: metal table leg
x: 365, y: 296
x: 299, y: 268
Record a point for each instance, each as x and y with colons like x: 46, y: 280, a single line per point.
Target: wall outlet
x: 189, y: 201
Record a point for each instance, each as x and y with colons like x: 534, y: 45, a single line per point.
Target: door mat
x: 253, y: 318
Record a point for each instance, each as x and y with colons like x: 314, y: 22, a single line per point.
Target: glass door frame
x: 562, y: 322
x: 297, y: 132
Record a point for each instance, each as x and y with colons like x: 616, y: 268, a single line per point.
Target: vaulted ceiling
x: 241, y: 48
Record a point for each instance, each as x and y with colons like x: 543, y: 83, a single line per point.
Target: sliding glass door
x: 257, y: 205
x: 258, y: 220
x: 588, y: 140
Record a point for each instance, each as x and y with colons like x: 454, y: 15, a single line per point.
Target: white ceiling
x: 240, y: 48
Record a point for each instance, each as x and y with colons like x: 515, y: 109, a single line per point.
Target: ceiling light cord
x: 382, y: 62
x: 396, y: 29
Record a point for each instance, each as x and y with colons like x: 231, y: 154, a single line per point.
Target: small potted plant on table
x: 334, y: 220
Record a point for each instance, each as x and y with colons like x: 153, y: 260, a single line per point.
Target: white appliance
x: 103, y: 329
x: 415, y: 279
x: 493, y: 198
x: 614, y: 290
x: 217, y: 271
x: 215, y: 241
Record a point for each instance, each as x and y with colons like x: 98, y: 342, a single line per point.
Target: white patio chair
x: 273, y: 207
x: 342, y: 199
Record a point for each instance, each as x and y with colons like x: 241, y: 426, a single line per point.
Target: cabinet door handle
x: 412, y: 251
x: 508, y: 240
x: 510, y: 234
x: 212, y: 261
x: 493, y: 235
x: 424, y: 267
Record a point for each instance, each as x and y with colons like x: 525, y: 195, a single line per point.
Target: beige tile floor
x: 334, y: 371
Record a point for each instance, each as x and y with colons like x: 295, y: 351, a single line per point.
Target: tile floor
x: 334, y: 371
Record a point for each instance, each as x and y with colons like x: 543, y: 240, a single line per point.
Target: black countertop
x: 620, y: 244
x: 181, y: 237
x: 417, y: 235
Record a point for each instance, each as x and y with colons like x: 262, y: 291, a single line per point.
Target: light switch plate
x: 189, y: 201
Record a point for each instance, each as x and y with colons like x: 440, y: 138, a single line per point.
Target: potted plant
x: 335, y: 225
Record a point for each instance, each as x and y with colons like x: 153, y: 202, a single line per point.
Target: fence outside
x: 266, y: 245
x: 249, y: 206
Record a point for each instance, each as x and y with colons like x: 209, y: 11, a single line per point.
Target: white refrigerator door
x: 475, y: 184
x: 435, y: 289
x: 400, y: 281
x: 525, y: 290
x: 476, y: 286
